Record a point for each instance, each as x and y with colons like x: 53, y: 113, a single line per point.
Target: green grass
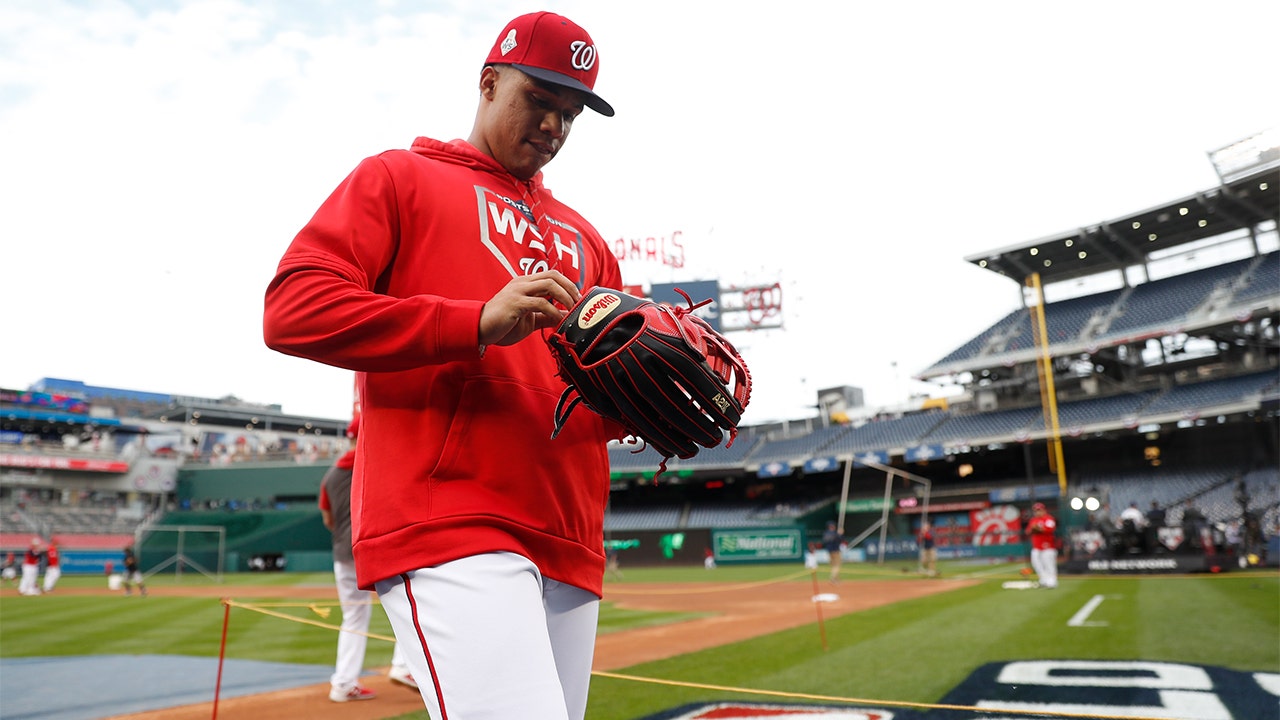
x: 58, y: 625
x: 916, y: 651
x: 913, y: 651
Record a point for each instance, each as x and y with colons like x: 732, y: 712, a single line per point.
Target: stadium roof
x: 1238, y: 204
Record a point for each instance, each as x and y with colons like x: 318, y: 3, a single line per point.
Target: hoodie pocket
x: 501, y: 428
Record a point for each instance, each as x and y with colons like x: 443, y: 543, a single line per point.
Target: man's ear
x: 488, y: 81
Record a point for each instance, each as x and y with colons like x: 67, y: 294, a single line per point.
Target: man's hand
x: 526, y: 304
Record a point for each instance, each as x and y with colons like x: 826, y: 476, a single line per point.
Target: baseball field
x: 734, y: 642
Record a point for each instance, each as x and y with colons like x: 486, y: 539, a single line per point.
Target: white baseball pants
x: 28, y: 585
x: 1045, y: 563
x: 488, y: 638
x: 51, y: 576
x: 357, y: 608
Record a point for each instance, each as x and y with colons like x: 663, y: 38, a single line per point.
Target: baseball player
x: 10, y: 570
x: 132, y: 573
x: 431, y: 272
x: 1044, y: 545
x: 833, y: 543
x: 353, y: 640
x: 29, y: 584
x: 928, y: 549
x: 53, y: 567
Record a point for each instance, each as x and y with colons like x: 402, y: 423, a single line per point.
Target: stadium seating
x: 1064, y: 320
x: 1262, y: 282
x: 1076, y: 415
x: 962, y: 429
x: 1117, y: 313
x: 1168, y: 300
x: 1197, y: 397
x: 950, y: 427
x: 901, y: 432
x: 55, y: 519
x: 643, y: 518
x: 799, y: 448
x: 1171, y: 487
x: 728, y: 515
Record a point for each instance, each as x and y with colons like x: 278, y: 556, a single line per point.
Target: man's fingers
x: 555, y: 286
x: 526, y: 304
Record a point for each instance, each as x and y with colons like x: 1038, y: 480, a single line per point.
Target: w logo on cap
x: 584, y: 55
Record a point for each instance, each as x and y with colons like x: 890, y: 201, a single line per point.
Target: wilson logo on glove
x: 598, y: 310
x: 662, y: 373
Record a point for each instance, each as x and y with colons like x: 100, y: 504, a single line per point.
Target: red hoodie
x: 454, y: 452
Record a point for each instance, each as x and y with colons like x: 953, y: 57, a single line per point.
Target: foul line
x: 1082, y: 615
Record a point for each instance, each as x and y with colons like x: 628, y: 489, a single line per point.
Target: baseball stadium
x: 1133, y: 396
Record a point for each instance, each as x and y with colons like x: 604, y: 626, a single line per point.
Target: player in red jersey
x: 53, y: 567
x: 429, y: 272
x: 1043, y: 530
x: 29, y: 585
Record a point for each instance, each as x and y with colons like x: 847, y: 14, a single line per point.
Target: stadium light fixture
x: 1092, y: 504
x: 1076, y: 503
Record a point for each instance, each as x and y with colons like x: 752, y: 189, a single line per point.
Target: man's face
x: 527, y: 121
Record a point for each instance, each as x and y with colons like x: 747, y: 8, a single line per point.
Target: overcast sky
x: 158, y: 157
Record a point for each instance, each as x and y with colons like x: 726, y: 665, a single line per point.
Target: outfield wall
x: 266, y: 483
x: 286, y: 540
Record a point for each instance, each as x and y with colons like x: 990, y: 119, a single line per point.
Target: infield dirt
x: 733, y: 613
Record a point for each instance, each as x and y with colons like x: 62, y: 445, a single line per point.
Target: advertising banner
x: 764, y: 544
x: 63, y: 463
x: 923, y: 453
x: 876, y: 456
x: 996, y: 525
x: 865, y: 505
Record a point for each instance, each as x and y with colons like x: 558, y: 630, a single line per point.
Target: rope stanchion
x: 817, y: 604
x: 222, y: 654
x: 317, y: 608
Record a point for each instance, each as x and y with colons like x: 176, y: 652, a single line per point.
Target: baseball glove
x: 662, y: 373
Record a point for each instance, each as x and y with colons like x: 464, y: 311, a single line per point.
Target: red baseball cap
x: 553, y: 49
x: 1038, y: 506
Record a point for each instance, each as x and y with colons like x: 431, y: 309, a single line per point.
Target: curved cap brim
x: 593, y: 101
